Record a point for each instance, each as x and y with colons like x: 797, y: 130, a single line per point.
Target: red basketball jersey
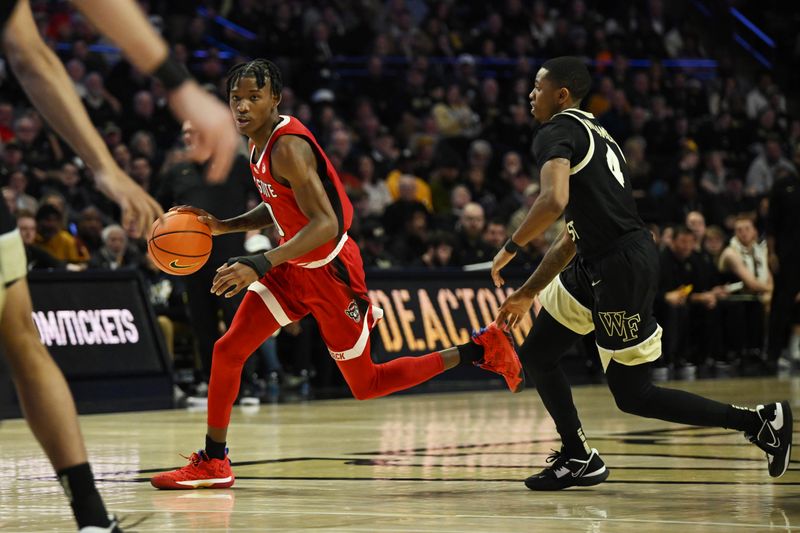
x: 280, y: 200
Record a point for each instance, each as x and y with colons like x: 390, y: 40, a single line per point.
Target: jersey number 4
x: 613, y: 165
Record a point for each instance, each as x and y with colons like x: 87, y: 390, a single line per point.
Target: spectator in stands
x: 142, y: 173
x: 401, y: 209
x: 115, y: 252
x: 12, y: 159
x: 696, y: 222
x: 409, y: 245
x: 37, y: 258
x: 454, y: 118
x: 69, y: 185
x: 495, y: 234
x: 41, y: 150
x: 56, y: 241
x: 764, y: 168
x: 759, y: 96
x: 686, y: 307
x: 18, y: 184
x: 90, y: 229
x: 531, y: 194
x: 716, y: 175
x: 744, y: 264
x: 100, y: 104
x: 469, y: 238
x: 378, y: 196
x: 440, y: 252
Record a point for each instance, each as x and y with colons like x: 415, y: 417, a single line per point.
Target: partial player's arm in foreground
x: 50, y: 89
x: 294, y: 161
x: 548, y: 207
x: 125, y: 24
x: 520, y: 301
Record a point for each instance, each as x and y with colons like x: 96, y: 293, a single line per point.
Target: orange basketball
x: 178, y: 243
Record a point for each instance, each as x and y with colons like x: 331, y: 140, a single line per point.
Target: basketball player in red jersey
x: 317, y: 269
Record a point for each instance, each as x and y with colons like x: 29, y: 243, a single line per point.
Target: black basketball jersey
x: 601, y: 208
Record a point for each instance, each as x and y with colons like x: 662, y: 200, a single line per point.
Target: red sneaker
x: 202, y: 472
x: 499, y: 356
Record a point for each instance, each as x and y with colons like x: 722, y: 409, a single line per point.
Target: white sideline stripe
x: 331, y: 256
x: 271, y: 302
x: 201, y: 482
x: 321, y: 512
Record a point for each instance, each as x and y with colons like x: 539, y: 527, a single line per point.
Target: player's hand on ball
x: 514, y: 308
x: 500, y: 260
x: 230, y: 280
x: 216, y: 225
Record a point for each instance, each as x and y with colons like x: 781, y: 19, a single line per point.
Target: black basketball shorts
x: 612, y: 295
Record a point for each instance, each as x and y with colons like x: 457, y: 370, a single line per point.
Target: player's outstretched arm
x: 124, y: 23
x: 552, y: 201
x: 45, y: 81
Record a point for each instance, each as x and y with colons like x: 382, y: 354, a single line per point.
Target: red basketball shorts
x: 333, y: 291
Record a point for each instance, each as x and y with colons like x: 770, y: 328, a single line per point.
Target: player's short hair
x: 682, y: 230
x: 260, y: 69
x: 570, y: 72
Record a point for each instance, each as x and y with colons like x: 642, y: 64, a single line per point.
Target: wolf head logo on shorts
x: 353, y: 312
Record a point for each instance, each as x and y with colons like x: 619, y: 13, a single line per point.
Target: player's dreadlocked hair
x: 260, y: 69
x: 570, y: 72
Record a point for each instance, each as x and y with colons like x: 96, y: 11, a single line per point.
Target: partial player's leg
x: 767, y: 426
x: 48, y: 407
x: 628, y: 338
x: 210, y: 467
x: 346, y: 316
x: 564, y: 318
x: 541, y: 355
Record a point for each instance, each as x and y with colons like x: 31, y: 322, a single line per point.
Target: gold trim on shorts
x: 646, y: 351
x: 569, y: 312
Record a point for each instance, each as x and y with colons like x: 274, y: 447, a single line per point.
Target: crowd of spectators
x: 422, y: 107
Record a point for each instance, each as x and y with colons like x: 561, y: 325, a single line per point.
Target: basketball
x: 178, y: 243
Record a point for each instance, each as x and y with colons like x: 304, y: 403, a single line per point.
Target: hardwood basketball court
x: 444, y: 463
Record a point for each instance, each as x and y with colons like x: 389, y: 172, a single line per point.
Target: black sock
x: 214, y: 449
x: 743, y: 419
x: 86, y: 503
x: 469, y: 353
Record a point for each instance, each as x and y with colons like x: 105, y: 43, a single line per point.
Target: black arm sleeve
x: 553, y: 140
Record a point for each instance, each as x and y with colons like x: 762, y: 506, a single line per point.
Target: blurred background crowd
x: 422, y: 106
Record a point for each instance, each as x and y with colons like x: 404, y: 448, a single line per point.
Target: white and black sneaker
x: 113, y: 527
x: 567, y: 472
x: 775, y: 436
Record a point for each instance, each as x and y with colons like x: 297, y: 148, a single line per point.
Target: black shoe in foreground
x: 565, y: 472
x: 775, y: 436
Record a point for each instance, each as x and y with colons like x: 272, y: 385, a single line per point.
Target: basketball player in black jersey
x: 601, y: 275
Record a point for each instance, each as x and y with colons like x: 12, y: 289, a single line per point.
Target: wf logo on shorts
x: 617, y: 324
x: 353, y: 312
